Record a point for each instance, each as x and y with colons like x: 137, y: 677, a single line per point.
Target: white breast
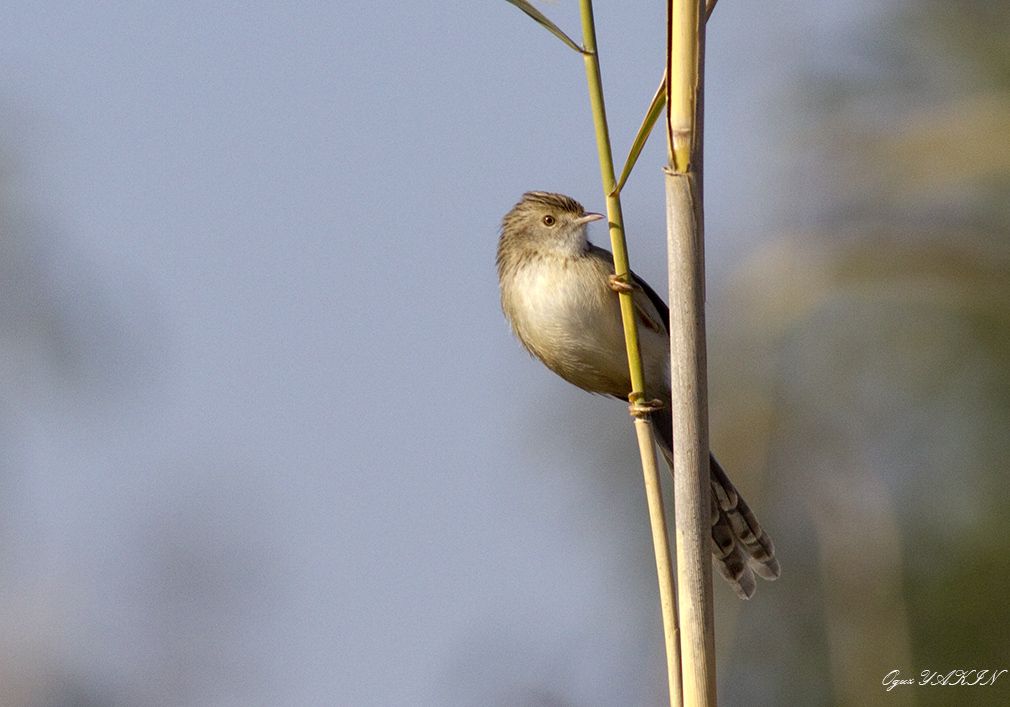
x: 568, y: 317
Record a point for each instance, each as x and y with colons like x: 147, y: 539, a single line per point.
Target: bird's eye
x: 549, y: 220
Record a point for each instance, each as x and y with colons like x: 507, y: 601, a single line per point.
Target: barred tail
x: 739, y: 545
x: 734, y: 521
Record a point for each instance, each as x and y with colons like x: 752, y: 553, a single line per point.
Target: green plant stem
x: 643, y: 426
x: 614, y: 214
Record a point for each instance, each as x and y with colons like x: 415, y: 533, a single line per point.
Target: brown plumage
x: 556, y: 294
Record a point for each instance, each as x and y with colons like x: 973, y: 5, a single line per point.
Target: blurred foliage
x: 868, y: 358
x: 63, y: 331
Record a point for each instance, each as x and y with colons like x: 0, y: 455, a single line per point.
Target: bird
x: 559, y: 294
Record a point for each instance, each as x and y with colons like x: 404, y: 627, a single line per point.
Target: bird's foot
x: 640, y: 407
x: 623, y: 283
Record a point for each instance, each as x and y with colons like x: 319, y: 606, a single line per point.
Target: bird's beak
x: 587, y: 218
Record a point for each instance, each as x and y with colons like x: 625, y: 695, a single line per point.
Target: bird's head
x: 545, y: 220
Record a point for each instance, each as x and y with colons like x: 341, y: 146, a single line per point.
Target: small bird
x: 559, y: 293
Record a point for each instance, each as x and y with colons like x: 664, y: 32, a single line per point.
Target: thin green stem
x: 643, y: 427
x: 614, y: 213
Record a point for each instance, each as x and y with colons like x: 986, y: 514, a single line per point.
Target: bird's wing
x: 649, y: 306
x: 649, y: 303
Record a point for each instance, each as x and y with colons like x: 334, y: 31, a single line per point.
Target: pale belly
x: 575, y: 330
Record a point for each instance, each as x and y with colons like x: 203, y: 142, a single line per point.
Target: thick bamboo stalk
x: 683, y: 68
x: 689, y: 381
x: 690, y: 443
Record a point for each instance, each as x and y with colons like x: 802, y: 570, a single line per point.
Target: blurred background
x: 265, y: 438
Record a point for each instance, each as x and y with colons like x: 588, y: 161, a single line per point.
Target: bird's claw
x: 623, y: 283
x: 641, y: 408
